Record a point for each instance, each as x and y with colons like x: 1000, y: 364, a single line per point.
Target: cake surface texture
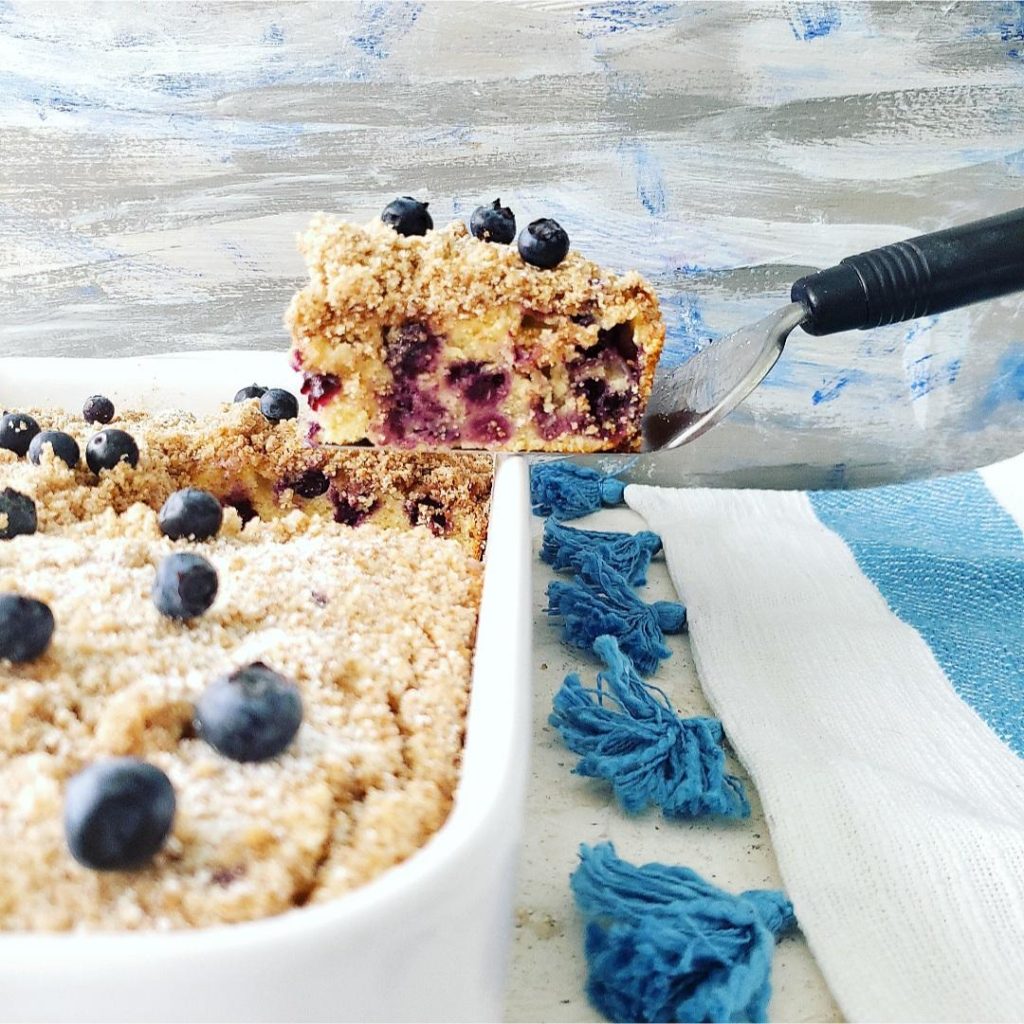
x: 374, y: 625
x: 447, y: 340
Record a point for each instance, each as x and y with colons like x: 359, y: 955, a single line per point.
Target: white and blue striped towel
x: 865, y: 651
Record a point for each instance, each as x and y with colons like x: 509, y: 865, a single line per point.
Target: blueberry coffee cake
x: 234, y: 669
x: 411, y: 336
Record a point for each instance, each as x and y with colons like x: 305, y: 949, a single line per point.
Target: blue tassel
x: 601, y: 601
x: 626, y: 553
x: 648, y: 754
x: 662, y: 944
x: 566, y: 491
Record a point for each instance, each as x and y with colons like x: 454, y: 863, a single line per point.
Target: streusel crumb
x: 376, y: 627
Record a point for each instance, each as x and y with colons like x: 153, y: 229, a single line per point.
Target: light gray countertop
x: 563, y: 810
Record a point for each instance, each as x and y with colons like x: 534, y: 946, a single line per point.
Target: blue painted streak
x: 650, y: 182
x: 686, y: 331
x: 949, y: 561
x: 1007, y: 387
x: 830, y: 390
x: 383, y: 25
x: 1003, y: 20
x: 161, y: 119
x: 274, y: 35
x: 1011, y: 29
x: 926, y: 375
x: 604, y: 19
x: 813, y: 21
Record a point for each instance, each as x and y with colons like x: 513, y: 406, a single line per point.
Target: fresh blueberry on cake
x: 98, y: 409
x: 16, y: 432
x: 544, y: 243
x: 250, y: 391
x: 63, y: 446
x: 494, y: 223
x: 442, y: 339
x: 250, y: 715
x: 185, y: 586
x: 277, y: 404
x: 109, y: 447
x: 26, y: 627
x: 192, y: 513
x: 407, y: 216
x: 118, y: 814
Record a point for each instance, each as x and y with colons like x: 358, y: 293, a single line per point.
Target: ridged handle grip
x: 923, y: 275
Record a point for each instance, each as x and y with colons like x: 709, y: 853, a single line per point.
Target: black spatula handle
x: 927, y: 274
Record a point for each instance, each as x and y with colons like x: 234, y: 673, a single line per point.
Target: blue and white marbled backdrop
x: 157, y: 161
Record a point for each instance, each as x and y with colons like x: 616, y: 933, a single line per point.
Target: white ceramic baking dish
x: 427, y: 940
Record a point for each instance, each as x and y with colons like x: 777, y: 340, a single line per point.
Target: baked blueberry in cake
x: 452, y: 338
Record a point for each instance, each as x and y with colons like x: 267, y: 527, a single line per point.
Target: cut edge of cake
x: 264, y: 470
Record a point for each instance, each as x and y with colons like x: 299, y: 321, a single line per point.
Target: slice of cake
x: 443, y: 339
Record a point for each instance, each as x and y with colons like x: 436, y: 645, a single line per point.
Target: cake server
x: 918, y: 277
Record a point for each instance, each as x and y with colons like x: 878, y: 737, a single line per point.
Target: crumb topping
x: 446, y: 273
x: 375, y: 625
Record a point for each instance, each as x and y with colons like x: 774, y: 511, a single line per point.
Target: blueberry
x: 543, y: 243
x: 16, y: 432
x: 252, y: 391
x: 118, y: 814
x: 310, y: 484
x: 20, y: 512
x: 481, y: 383
x: 191, y: 513
x: 352, y: 508
x: 185, y: 585
x: 277, y: 404
x: 407, y: 216
x: 494, y: 223
x: 26, y: 627
x: 242, y: 504
x: 411, y: 349
x: 109, y: 447
x: 65, y: 447
x: 98, y: 409
x: 250, y: 715
x: 427, y: 512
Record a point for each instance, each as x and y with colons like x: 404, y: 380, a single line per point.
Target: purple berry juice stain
x: 319, y: 388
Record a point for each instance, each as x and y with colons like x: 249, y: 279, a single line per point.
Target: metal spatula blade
x: 921, y: 276
x: 690, y: 399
